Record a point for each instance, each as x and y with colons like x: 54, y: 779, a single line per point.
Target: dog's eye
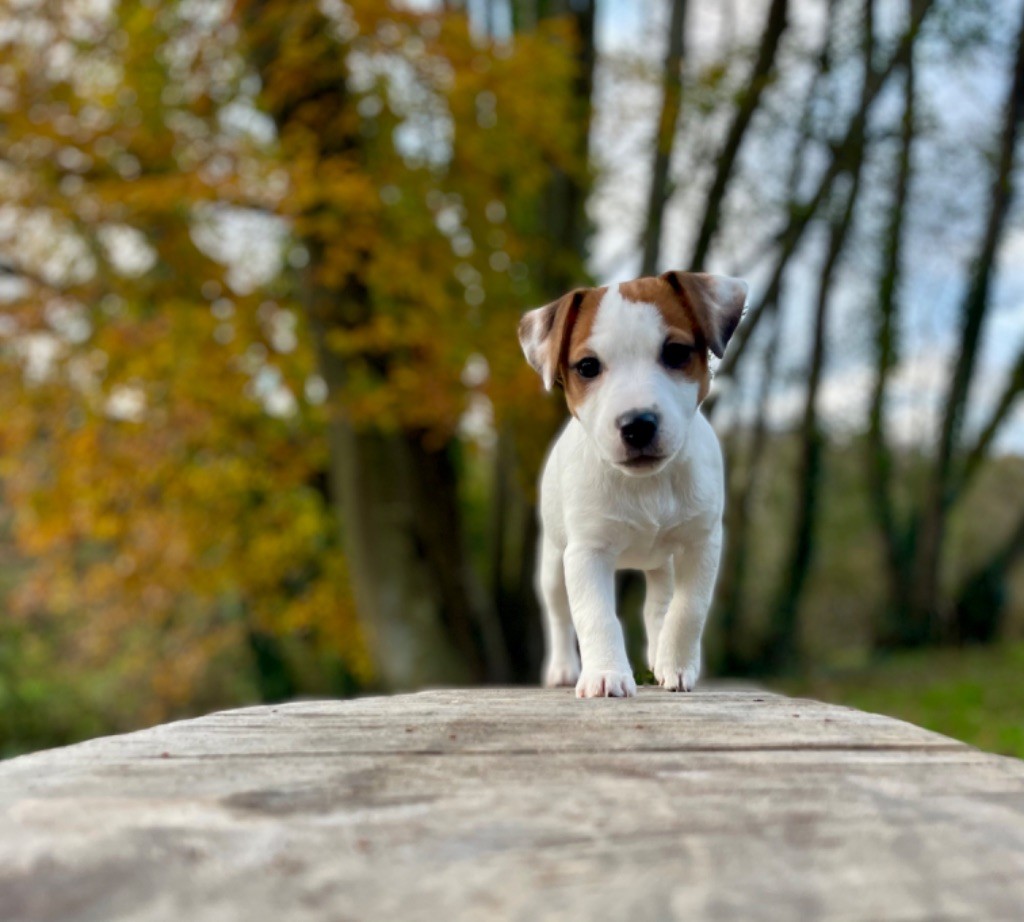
x: 588, y: 368
x: 676, y: 355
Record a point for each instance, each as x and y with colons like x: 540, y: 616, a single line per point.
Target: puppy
x: 634, y: 480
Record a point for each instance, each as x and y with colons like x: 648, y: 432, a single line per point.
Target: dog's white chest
x: 651, y: 525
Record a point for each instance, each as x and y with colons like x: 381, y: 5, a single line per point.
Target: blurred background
x: 265, y: 430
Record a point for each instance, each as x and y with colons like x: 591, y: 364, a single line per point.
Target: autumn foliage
x: 175, y: 180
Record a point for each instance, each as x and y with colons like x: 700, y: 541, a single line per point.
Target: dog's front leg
x: 657, y: 598
x: 696, y: 566
x: 590, y: 581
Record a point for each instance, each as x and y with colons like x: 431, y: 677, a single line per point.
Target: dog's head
x: 633, y: 358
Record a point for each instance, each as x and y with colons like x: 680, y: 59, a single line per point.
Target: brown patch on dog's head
x: 548, y: 334
x: 700, y: 311
x: 576, y: 350
x: 682, y: 322
x: 708, y: 307
x: 716, y: 303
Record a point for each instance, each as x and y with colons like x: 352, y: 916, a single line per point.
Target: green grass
x: 974, y: 694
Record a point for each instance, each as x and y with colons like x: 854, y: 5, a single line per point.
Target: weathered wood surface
x: 516, y: 804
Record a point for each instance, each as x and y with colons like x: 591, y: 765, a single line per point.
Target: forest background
x: 265, y: 430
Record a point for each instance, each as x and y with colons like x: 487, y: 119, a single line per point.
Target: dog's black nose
x: 639, y: 429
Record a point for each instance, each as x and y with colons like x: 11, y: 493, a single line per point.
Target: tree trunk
x: 513, y: 546
x: 895, y: 627
x: 738, y: 518
x: 1007, y: 400
x: 980, y: 606
x: 566, y: 222
x: 782, y: 648
x: 400, y: 586
x: 664, y: 139
x: 394, y: 502
x: 395, y: 499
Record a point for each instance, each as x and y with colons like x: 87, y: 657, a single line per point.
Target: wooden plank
x: 518, y: 804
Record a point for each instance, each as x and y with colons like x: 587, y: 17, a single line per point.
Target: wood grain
x: 516, y: 804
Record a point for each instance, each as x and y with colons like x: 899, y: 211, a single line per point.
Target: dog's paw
x: 561, y: 673
x: 605, y: 684
x: 677, y: 678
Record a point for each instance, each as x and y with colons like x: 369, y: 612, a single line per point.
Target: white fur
x: 599, y: 516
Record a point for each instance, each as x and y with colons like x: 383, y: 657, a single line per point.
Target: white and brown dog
x: 635, y: 479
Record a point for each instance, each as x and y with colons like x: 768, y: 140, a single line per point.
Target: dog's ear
x: 717, y: 302
x: 544, y: 334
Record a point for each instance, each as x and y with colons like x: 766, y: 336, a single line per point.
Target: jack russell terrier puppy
x: 635, y: 479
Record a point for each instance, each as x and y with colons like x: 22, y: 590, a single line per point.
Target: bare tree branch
x: 774, y: 28
x: 802, y: 214
x: 671, y: 104
x: 769, y: 304
x: 10, y: 270
x: 979, y: 451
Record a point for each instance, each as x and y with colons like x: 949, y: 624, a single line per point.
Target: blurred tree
x: 664, y: 138
x: 782, y: 647
x: 764, y: 65
x: 466, y: 134
x: 802, y: 216
x: 980, y: 607
x: 746, y: 470
x: 162, y: 475
x: 930, y: 525
x: 914, y: 549
x: 526, y: 427
x: 878, y: 454
x: 184, y: 281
